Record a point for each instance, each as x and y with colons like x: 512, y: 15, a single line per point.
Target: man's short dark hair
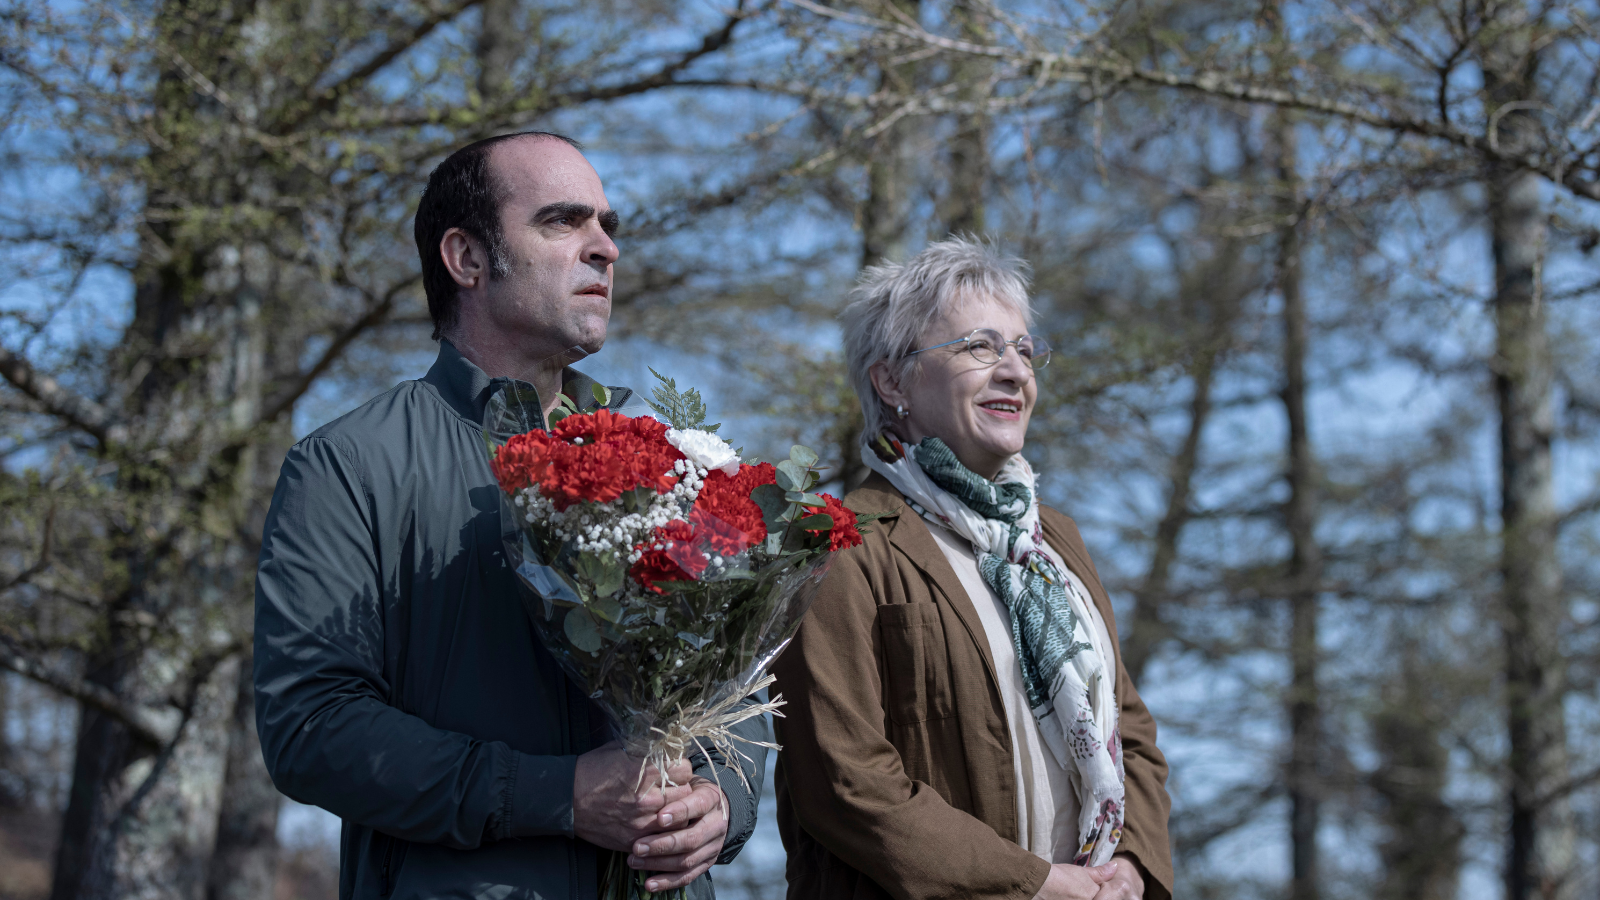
x: 463, y: 193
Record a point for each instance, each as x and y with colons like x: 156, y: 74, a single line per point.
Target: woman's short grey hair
x: 892, y: 306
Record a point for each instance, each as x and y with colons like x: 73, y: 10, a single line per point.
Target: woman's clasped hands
x: 1116, y: 880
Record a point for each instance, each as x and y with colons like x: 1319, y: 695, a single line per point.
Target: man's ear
x: 884, y: 383
x: 465, y: 258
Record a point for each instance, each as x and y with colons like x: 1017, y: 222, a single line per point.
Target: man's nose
x: 601, y: 249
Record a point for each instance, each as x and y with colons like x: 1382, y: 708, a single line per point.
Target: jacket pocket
x: 916, y: 663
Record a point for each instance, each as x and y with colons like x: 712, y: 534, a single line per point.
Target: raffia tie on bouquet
x: 701, y: 725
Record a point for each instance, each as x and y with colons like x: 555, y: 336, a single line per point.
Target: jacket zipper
x: 383, y: 878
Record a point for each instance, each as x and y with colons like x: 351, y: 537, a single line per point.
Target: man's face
x: 557, y: 229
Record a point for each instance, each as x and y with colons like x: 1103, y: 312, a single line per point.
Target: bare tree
x: 268, y: 172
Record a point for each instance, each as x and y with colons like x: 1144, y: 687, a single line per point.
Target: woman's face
x: 980, y: 411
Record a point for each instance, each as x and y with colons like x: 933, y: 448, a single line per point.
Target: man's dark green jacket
x: 399, y: 683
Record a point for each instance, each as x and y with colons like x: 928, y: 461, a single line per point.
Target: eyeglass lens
x: 987, y: 346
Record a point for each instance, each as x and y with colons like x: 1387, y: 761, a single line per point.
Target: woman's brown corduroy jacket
x: 895, y: 778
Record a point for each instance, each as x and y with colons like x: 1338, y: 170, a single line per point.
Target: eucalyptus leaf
x: 818, y: 522
x: 638, y: 499
x: 773, y: 505
x: 804, y: 499
x: 607, y: 575
x: 791, y: 476
x: 606, y: 608
x: 694, y: 640
x: 581, y: 630
x: 803, y: 456
x: 602, y: 394
x: 557, y: 415
x: 614, y: 578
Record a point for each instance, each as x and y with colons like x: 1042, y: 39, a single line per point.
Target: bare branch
x: 328, y: 98
x: 1568, y: 788
x: 1231, y: 87
x: 70, y: 407
x: 43, y: 563
x: 709, y: 44
x: 148, y: 725
x: 1588, y: 506
x: 664, y: 77
x: 375, y: 315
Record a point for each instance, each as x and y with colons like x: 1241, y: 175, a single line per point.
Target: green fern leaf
x: 680, y: 409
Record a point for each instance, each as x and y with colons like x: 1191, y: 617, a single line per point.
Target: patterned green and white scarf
x: 1071, y: 688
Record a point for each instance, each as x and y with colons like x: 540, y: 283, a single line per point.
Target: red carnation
x: 752, y: 477
x: 843, y: 534
x: 725, y: 516
x: 679, y: 559
x: 521, y: 461
x: 593, y: 456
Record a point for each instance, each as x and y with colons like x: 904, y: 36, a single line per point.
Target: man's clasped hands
x: 675, y: 832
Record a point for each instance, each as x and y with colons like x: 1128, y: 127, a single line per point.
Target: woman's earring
x: 900, y: 410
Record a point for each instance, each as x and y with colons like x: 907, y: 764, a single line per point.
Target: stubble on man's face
x: 555, y: 221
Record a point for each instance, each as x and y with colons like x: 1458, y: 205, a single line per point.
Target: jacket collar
x: 463, y: 386
x: 466, y: 389
x: 910, y: 534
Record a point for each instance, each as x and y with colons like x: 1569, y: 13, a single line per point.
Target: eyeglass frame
x: 1003, y: 342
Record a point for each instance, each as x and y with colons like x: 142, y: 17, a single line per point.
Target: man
x: 399, y: 683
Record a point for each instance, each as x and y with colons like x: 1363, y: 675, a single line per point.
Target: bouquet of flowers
x: 665, y: 573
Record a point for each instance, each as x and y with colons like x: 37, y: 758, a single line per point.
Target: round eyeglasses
x: 988, y: 347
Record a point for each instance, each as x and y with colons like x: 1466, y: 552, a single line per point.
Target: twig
x: 146, y: 724
x: 69, y: 406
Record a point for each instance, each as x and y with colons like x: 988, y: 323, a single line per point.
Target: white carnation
x: 705, y: 449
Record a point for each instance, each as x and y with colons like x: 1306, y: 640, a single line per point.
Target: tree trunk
x: 1411, y: 778
x: 245, y: 861
x: 497, y: 47
x: 1305, y: 557
x: 1541, y: 854
x: 968, y: 151
x: 85, y: 850
x: 885, y: 234
x: 1148, y: 627
x: 969, y: 172
x: 166, y: 835
x: 141, y: 825
x: 12, y: 790
x: 886, y: 215
x: 244, y: 864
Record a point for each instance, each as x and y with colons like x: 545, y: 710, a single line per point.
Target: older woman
x: 959, y: 724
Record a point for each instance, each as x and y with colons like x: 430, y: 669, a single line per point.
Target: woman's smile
x: 1010, y: 410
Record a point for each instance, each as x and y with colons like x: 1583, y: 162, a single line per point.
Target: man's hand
x: 699, y: 826
x: 613, y: 808
x: 1070, y: 882
x: 1126, y: 884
